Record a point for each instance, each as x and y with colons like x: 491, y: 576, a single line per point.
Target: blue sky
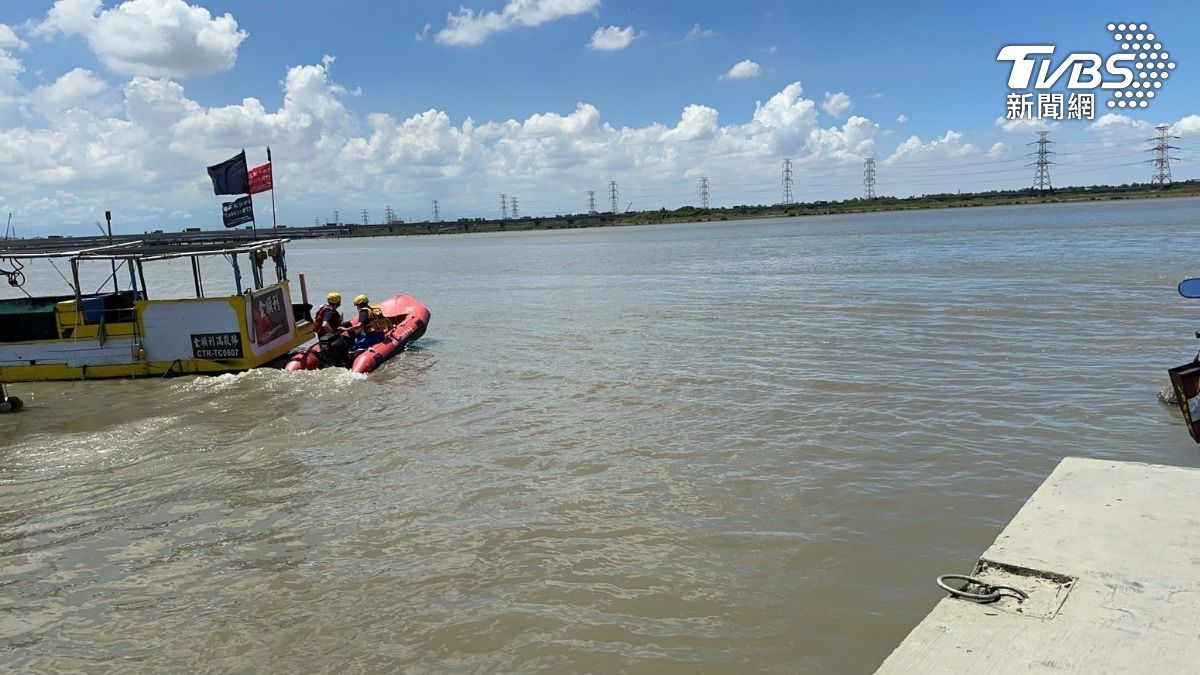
x: 366, y: 105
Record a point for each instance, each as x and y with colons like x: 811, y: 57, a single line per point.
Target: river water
x: 735, y: 447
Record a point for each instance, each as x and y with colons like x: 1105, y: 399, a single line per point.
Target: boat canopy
x: 133, y: 254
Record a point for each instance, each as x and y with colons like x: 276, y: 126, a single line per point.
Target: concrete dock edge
x: 1109, y: 553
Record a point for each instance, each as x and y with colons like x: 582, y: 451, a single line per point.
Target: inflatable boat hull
x: 409, y: 320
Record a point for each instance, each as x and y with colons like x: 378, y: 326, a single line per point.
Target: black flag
x: 230, y: 177
x: 238, y: 211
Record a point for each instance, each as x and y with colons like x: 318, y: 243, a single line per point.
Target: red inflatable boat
x: 409, y: 319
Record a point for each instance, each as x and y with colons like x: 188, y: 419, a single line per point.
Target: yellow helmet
x: 361, y: 300
x: 334, y: 298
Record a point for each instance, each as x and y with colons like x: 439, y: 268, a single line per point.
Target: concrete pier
x: 1109, y: 553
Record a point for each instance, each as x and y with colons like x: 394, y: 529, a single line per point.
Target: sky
x: 371, y: 106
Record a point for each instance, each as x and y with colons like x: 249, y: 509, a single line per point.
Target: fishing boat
x: 1185, y: 379
x: 408, y: 318
x: 130, y: 333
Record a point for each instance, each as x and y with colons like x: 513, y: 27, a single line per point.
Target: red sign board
x: 260, y: 179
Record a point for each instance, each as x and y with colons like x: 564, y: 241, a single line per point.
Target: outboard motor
x: 9, y: 403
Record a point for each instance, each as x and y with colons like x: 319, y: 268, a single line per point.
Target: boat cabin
x: 124, y: 332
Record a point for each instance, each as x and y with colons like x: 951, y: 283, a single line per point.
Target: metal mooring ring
x: 991, y: 594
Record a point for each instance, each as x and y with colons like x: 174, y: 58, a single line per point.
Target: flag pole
x: 274, y: 225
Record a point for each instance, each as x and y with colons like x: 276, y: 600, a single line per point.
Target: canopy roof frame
x: 133, y: 253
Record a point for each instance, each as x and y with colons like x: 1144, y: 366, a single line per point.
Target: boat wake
x: 1167, y: 395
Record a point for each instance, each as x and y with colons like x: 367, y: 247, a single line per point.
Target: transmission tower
x: 787, y: 181
x: 1041, y: 177
x: 612, y: 195
x: 504, y: 206
x: 1162, y: 156
x: 591, y: 202
x: 704, y: 192
x: 515, y: 212
x: 437, y: 217
x: 389, y: 216
x: 336, y: 218
x: 364, y: 216
x: 869, y: 178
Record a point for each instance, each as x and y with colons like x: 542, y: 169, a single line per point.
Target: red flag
x: 260, y: 179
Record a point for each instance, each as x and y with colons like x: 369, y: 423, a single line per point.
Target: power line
x: 787, y: 181
x: 921, y: 172
x: 1041, y: 177
x: 1162, y: 156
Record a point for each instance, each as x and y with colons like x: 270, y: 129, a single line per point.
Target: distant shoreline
x: 687, y: 214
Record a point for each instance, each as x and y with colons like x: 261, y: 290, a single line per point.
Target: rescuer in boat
x: 372, y: 324
x: 327, y: 323
x: 328, y: 320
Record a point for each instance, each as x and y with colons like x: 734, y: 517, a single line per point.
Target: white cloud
x: 86, y: 139
x: 92, y: 154
x: 1187, y: 125
x: 901, y: 119
x: 467, y: 29
x: 949, y: 146
x: 853, y: 142
x: 70, y: 17
x: 585, y: 118
x: 10, y: 68
x: 1117, y: 122
x: 742, y: 70
x: 1024, y: 126
x: 9, y: 39
x: 157, y: 105
x: 698, y: 122
x: 424, y: 34
x: 837, y: 104
x: 1114, y: 130
x: 74, y: 88
x: 697, y: 32
x: 155, y: 38
x: 786, y: 110
x: 611, y: 38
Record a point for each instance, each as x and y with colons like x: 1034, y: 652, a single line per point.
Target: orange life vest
x: 377, y: 323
